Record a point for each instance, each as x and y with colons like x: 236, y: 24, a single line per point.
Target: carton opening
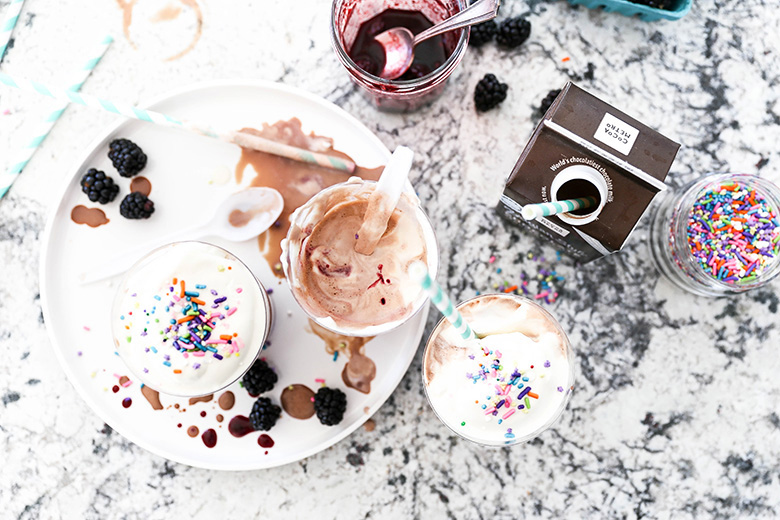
x: 579, y: 188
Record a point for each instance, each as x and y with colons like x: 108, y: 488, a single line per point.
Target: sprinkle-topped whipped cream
x: 511, y: 384
x: 189, y: 319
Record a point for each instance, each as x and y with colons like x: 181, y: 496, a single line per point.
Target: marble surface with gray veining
x: 676, y: 412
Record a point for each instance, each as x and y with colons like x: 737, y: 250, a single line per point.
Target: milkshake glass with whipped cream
x: 506, y: 387
x: 345, y: 291
x: 189, y: 319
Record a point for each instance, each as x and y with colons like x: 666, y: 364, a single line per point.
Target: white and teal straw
x: 22, y: 157
x: 420, y: 274
x: 545, y: 209
x: 240, y: 138
x: 8, y: 24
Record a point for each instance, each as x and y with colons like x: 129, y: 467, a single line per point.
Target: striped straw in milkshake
x: 545, y: 209
x: 22, y: 157
x: 419, y: 273
x: 125, y: 109
x: 8, y: 24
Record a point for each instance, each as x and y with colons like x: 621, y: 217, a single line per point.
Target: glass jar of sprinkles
x: 719, y: 235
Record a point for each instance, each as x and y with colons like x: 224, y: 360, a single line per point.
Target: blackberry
x: 512, y: 32
x: 264, y: 414
x: 127, y: 157
x: 330, y: 404
x: 260, y: 378
x: 482, y: 33
x: 489, y: 93
x: 548, y: 100
x: 136, y: 206
x: 98, y: 187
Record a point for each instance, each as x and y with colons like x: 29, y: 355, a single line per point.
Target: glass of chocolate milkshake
x: 355, y: 23
x: 510, y: 385
x: 345, y: 291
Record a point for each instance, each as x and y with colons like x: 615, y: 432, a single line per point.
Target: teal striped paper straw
x: 8, y: 24
x: 22, y: 157
x: 125, y: 109
x: 545, y: 209
x: 420, y: 274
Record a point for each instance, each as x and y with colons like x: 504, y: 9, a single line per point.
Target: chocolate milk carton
x: 584, y: 147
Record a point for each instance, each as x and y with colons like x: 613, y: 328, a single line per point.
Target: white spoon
x: 241, y: 216
x: 399, y: 42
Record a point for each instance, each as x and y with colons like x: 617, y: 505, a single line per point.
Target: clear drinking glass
x: 512, y: 384
x: 338, y: 288
x: 175, y: 334
x: 396, y: 95
x: 669, y: 242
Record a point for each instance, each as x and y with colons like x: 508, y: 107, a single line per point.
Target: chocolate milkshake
x: 508, y: 386
x: 346, y: 291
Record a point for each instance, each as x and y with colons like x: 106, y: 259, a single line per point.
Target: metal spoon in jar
x: 399, y: 42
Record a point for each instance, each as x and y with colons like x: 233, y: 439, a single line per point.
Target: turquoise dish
x: 649, y: 14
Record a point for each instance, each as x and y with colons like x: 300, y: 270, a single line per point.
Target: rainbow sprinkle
x: 504, y: 381
x: 542, y: 286
x: 733, y: 233
x: 190, y: 326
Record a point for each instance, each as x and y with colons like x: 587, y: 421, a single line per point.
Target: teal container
x: 649, y: 14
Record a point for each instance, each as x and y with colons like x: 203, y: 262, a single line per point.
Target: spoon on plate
x: 241, y: 216
x: 399, y: 42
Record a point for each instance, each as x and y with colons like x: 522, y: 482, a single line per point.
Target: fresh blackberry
x: 512, y: 32
x: 260, y: 378
x: 136, y: 206
x: 98, y: 187
x: 482, y: 33
x: 658, y: 4
x: 264, y: 414
x: 548, y: 100
x: 330, y: 404
x: 127, y: 157
x: 489, y: 93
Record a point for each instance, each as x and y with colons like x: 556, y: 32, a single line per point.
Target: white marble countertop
x: 675, y: 414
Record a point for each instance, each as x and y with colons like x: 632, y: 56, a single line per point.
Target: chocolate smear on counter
x: 209, y: 438
x: 227, y: 400
x: 167, y: 13
x: 298, y: 401
x: 220, y: 418
x: 369, y: 425
x: 359, y: 371
x: 93, y: 217
x: 201, y: 399
x: 296, y: 181
x: 239, y: 426
x: 141, y: 184
x: 193, y: 431
x: 153, y: 396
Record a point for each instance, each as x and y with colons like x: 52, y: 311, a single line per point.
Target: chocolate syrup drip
x: 296, y: 181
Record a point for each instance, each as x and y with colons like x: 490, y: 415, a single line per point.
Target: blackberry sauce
x: 368, y: 54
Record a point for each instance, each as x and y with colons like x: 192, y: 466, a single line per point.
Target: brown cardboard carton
x: 585, y: 147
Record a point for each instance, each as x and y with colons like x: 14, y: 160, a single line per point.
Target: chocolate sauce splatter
x: 93, y: 217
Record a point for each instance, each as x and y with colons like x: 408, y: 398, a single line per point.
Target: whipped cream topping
x: 508, y: 386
